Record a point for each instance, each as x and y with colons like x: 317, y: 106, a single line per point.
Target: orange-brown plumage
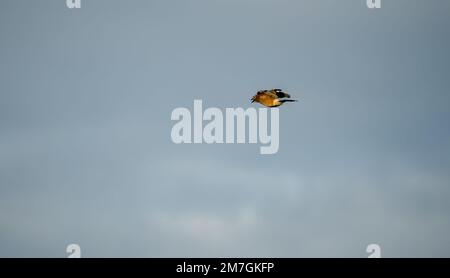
x: 271, y: 98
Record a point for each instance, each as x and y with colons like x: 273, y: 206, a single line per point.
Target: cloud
x: 86, y: 155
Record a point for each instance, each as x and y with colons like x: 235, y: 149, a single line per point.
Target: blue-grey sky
x: 85, y: 149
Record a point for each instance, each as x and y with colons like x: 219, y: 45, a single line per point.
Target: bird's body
x: 271, y: 98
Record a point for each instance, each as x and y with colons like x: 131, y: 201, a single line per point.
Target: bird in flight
x: 271, y: 98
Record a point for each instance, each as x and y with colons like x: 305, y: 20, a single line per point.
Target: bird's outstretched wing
x: 279, y: 93
x: 274, y: 93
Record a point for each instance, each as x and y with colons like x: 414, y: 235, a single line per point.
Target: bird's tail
x: 287, y: 100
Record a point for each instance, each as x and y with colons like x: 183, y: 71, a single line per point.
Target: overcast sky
x: 86, y: 155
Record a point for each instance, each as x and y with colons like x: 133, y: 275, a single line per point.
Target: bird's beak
x: 252, y: 100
